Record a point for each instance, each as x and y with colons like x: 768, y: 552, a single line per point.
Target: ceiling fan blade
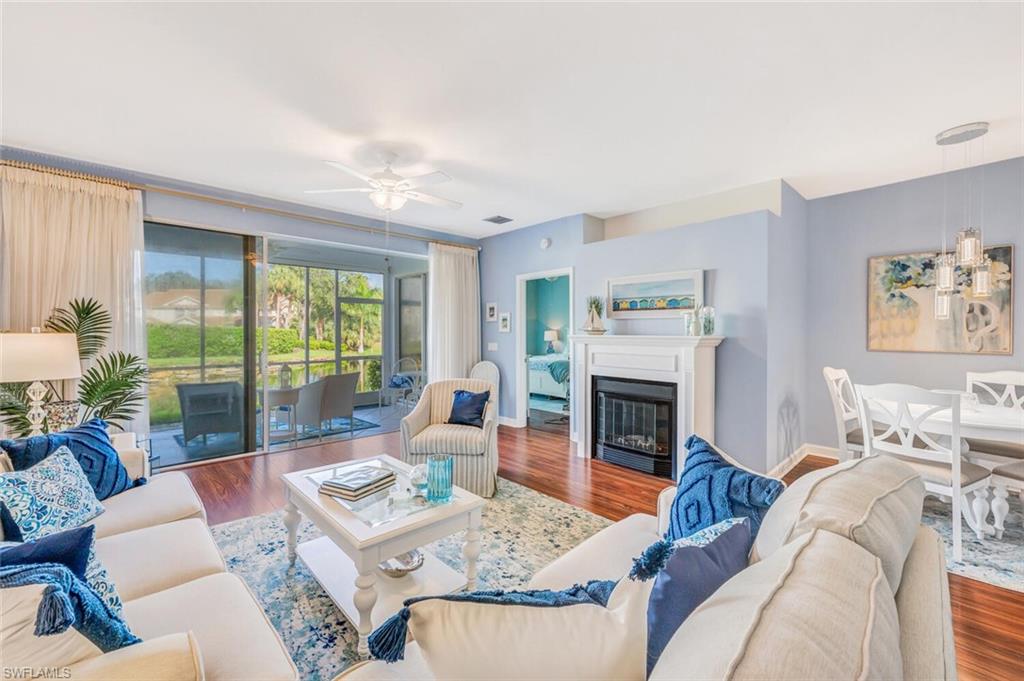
x: 351, y: 171
x: 338, y: 191
x: 431, y: 199
x: 436, y: 177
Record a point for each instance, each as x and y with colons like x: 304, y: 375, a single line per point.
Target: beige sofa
x: 823, y: 610
x: 196, y: 620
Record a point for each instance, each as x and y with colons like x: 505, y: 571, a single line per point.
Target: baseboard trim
x: 787, y: 464
x: 511, y: 422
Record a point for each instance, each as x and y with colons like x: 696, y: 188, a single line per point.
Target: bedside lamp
x: 551, y: 336
x: 36, y: 357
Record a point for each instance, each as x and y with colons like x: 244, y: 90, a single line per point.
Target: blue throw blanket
x: 69, y: 602
x: 559, y: 371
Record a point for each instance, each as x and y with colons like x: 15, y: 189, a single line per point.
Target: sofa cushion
x: 175, y: 657
x: 20, y: 647
x: 449, y: 438
x: 91, y: 446
x: 411, y: 668
x: 926, y: 628
x: 51, y: 496
x: 818, y: 608
x: 874, y: 501
x: 155, y: 558
x: 606, y: 555
x: 711, y: 489
x: 166, y: 498
x: 236, y: 639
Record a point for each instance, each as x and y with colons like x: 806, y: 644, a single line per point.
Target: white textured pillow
x: 19, y: 645
x: 874, y: 501
x: 818, y: 608
x: 464, y: 640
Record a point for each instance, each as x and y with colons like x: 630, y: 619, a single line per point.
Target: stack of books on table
x: 358, y: 482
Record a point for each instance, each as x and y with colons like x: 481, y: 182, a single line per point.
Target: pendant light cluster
x: 969, y: 253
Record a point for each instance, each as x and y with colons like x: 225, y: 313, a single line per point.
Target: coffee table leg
x: 365, y: 598
x: 291, y: 521
x: 471, y: 551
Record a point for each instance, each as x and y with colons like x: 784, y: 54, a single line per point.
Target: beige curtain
x: 453, y: 312
x: 64, y: 238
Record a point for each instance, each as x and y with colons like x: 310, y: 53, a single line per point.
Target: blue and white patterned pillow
x: 99, y: 581
x: 52, y: 496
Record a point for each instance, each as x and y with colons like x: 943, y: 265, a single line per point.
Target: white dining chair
x: 844, y: 407
x: 1001, y: 389
x: 897, y: 412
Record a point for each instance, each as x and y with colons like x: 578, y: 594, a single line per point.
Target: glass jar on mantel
x: 707, y: 320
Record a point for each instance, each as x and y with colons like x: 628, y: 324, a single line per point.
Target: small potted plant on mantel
x: 595, y: 309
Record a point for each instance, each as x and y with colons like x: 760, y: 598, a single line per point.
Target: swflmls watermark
x: 37, y: 673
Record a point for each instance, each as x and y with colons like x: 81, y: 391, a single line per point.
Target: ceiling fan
x: 389, y: 191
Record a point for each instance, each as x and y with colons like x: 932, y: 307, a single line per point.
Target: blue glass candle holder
x: 439, y: 478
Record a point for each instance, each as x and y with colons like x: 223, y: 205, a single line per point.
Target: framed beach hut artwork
x: 901, y: 306
x: 652, y: 296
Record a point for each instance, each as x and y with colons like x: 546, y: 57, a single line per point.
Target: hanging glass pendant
x: 968, y: 247
x: 943, y: 303
x: 945, y: 273
x: 981, y: 279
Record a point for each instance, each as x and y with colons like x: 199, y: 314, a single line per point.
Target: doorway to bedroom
x: 545, y: 322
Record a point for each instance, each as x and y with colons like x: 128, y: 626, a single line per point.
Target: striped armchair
x: 426, y: 431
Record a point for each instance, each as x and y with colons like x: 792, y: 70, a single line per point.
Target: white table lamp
x: 36, y: 357
x: 551, y: 335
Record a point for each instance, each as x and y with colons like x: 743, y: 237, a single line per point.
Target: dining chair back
x: 999, y: 388
x: 844, y: 408
x: 896, y: 413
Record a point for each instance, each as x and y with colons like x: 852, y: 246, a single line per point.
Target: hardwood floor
x: 988, y: 622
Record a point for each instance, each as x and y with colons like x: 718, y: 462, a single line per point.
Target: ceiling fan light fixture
x: 387, y: 200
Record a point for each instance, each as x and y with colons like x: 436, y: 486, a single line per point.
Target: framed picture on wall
x: 492, y: 312
x: 505, y: 322
x: 901, y: 306
x: 652, y: 296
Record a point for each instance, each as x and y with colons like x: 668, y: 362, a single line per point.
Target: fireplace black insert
x: 635, y: 424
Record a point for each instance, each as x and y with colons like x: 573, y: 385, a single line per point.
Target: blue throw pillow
x: 400, y: 381
x: 90, y: 445
x: 688, y: 577
x: 70, y: 548
x: 468, y: 408
x: 66, y: 602
x: 711, y: 490
x: 52, y: 496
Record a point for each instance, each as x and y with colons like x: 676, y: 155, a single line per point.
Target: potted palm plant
x: 110, y: 389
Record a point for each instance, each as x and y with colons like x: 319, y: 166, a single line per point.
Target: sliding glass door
x: 200, y: 334
x: 360, y: 311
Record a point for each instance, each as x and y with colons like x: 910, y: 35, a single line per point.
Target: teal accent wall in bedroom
x: 547, y: 307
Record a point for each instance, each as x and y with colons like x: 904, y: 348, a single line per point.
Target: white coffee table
x: 358, y: 536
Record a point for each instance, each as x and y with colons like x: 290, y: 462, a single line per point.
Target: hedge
x: 170, y: 340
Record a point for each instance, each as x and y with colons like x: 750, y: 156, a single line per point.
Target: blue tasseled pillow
x: 468, y: 408
x: 89, y: 443
x: 711, y: 490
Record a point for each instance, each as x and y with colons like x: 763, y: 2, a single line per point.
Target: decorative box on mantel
x: 638, y: 398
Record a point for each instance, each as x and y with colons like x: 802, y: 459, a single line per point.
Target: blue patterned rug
x: 996, y: 561
x: 522, y: 532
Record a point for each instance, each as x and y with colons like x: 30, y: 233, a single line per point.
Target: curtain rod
x: 225, y: 202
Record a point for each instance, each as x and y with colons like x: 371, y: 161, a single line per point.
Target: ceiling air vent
x: 498, y: 219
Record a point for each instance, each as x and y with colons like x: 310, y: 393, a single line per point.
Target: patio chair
x: 210, y: 409
x: 329, y: 398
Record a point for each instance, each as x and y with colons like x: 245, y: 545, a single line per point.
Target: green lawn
x: 294, y: 356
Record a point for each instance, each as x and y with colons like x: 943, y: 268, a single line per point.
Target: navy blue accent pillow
x: 89, y: 443
x: 711, y: 489
x: 9, y: 526
x: 69, y: 548
x: 690, y: 575
x: 468, y: 408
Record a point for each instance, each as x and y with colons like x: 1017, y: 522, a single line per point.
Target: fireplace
x: 635, y: 424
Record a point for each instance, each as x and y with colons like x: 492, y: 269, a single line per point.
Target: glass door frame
x: 397, y: 318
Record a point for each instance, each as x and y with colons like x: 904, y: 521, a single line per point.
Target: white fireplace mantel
x: 687, y: 361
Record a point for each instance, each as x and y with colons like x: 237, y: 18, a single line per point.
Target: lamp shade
x: 550, y: 335
x: 27, y: 357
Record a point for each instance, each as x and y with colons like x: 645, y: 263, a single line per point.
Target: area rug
x: 523, y: 531
x: 996, y: 561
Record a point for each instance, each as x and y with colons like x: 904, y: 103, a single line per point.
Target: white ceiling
x: 537, y: 111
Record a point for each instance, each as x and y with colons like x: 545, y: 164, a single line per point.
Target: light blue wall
x: 730, y: 250
x: 845, y: 230
x: 547, y: 307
